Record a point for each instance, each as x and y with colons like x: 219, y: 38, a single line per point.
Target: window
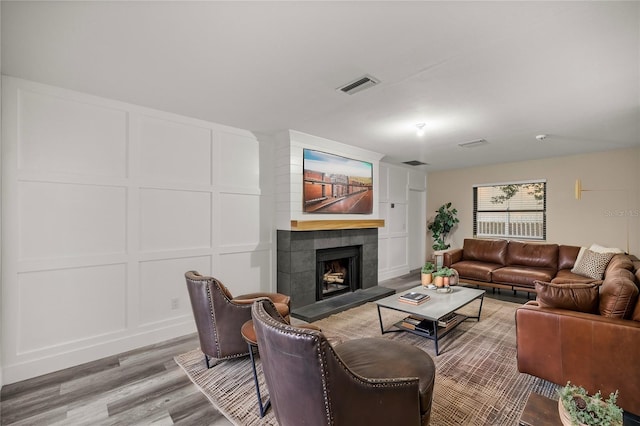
x: 511, y: 210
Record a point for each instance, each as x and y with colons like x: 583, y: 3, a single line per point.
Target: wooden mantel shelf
x: 320, y: 225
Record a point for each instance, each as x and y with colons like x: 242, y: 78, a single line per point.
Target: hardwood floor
x: 141, y: 387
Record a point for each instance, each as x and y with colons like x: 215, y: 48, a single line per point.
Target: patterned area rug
x: 477, y: 382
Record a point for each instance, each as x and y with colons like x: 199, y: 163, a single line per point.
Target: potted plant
x: 576, y: 407
x: 446, y: 273
x: 438, y: 278
x: 441, y: 225
x: 426, y: 272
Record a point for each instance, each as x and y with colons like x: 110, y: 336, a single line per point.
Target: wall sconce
x: 420, y: 127
x: 578, y: 189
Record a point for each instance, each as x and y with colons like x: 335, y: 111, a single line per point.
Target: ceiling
x: 500, y: 71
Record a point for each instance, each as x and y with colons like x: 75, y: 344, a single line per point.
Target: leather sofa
x: 512, y: 265
x: 561, y: 337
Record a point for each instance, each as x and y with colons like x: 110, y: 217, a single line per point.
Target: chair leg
x: 206, y: 360
x: 265, y: 407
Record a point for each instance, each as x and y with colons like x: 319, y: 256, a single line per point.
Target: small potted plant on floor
x: 576, y: 407
x: 426, y: 272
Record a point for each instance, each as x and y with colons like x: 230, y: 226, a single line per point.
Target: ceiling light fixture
x: 420, y: 131
x: 541, y: 137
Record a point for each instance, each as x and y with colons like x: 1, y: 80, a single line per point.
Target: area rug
x: 477, y: 382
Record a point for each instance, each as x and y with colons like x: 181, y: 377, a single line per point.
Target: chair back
x: 293, y: 363
x: 218, y: 320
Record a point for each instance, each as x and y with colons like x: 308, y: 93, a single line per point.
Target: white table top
x: 439, y: 304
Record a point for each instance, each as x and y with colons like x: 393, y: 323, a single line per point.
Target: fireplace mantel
x: 320, y: 225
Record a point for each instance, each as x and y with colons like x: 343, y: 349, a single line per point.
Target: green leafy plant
x: 441, y: 225
x: 427, y: 268
x: 444, y: 272
x: 590, y: 410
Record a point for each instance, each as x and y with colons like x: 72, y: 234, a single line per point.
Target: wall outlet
x: 175, y: 303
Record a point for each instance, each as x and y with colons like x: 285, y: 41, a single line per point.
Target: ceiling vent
x: 415, y: 163
x: 473, y: 144
x: 359, y: 85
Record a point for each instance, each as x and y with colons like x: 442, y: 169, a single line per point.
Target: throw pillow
x: 592, y: 264
x: 575, y: 297
x: 601, y: 249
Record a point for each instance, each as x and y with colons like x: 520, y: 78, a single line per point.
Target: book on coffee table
x: 414, y: 298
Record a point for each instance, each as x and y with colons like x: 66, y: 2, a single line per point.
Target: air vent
x: 473, y: 144
x: 415, y: 163
x: 359, y: 85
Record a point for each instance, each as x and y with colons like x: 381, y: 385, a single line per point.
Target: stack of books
x: 417, y: 324
x: 414, y: 298
x: 448, y: 320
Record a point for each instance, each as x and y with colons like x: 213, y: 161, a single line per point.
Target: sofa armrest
x: 596, y: 352
x: 452, y: 256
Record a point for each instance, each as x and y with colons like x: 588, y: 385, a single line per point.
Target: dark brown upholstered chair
x: 359, y: 382
x: 219, y: 316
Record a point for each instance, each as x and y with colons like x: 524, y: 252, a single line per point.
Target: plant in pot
x: 441, y: 225
x: 438, y: 277
x: 576, y: 407
x: 447, y: 273
x: 426, y: 272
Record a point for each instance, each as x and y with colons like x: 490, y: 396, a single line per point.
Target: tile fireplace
x: 305, y: 258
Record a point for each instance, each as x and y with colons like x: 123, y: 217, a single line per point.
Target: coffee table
x: 439, y: 305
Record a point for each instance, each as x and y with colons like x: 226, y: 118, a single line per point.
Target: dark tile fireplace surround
x: 297, y: 275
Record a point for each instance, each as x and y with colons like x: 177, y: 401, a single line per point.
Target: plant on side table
x: 441, y: 225
x: 576, y: 407
x: 426, y: 273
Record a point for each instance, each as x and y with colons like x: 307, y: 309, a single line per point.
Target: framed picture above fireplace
x: 336, y: 184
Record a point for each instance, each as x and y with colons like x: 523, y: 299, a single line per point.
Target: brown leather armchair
x: 370, y: 381
x: 219, y: 316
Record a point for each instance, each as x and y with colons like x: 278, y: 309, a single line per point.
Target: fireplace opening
x: 338, y: 271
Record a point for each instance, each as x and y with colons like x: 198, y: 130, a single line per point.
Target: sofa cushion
x: 491, y: 251
x: 565, y: 276
x: 636, y: 313
x: 567, y: 256
x: 575, y: 297
x: 531, y: 254
x: 619, y: 261
x: 474, y: 270
x: 618, y: 294
x: 592, y: 264
x: 522, y: 275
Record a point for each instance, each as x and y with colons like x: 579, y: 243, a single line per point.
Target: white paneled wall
x: 105, y: 205
x: 396, y: 239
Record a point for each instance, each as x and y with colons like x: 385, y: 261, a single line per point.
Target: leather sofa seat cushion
x: 531, y: 254
x: 475, y: 270
x: 490, y: 251
x: 387, y: 359
x: 522, y: 275
x: 575, y: 297
x: 618, y: 294
x: 565, y: 276
x: 567, y: 256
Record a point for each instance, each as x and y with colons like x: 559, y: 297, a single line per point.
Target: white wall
x: 607, y: 214
x: 289, y: 159
x: 105, y: 205
x: 391, y: 187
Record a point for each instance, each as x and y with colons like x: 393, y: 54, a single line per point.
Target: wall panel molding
x: 105, y: 206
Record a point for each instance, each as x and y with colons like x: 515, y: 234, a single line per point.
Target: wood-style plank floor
x: 141, y: 387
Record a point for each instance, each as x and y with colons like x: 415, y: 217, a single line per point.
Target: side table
x: 540, y: 411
